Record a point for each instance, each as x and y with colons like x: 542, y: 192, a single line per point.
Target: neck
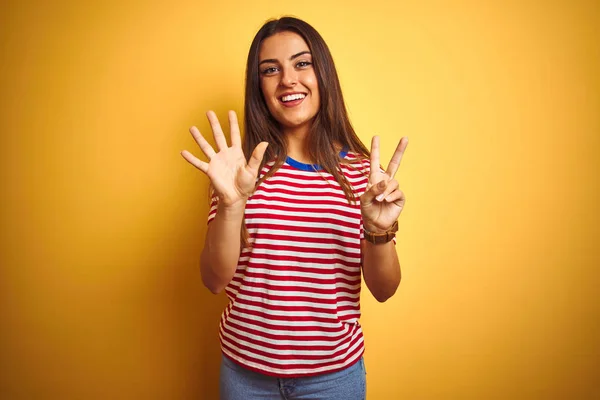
x: 297, y: 143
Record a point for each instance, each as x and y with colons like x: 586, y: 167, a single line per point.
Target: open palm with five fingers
x: 231, y: 176
x: 382, y: 202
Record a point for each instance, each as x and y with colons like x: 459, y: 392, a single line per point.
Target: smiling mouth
x: 292, y: 100
x: 292, y: 97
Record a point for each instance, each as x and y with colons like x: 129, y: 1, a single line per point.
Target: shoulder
x: 355, y: 162
x: 356, y: 169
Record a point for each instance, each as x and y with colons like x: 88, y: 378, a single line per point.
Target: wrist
x: 233, y: 211
x: 374, y: 229
x: 380, y: 237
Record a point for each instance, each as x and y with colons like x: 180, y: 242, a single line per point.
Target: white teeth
x: 293, y: 97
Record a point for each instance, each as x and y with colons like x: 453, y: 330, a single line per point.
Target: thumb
x: 257, y: 157
x: 374, y: 191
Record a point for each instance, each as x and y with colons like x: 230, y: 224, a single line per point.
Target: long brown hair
x: 331, y: 126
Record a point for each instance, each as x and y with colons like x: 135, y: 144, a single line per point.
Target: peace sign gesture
x: 232, y: 178
x: 382, y: 202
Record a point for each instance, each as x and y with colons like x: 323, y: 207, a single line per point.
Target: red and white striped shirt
x: 295, y: 297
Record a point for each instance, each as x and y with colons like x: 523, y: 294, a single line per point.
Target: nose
x: 289, y: 77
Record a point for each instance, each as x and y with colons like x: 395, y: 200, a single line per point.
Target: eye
x: 303, y: 64
x: 269, y: 71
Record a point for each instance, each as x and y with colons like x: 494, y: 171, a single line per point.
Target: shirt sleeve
x: 212, y: 212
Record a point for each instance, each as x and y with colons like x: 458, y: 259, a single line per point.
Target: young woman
x: 296, y: 213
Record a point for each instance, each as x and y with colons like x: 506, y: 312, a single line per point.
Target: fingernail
x: 382, y: 184
x: 379, y: 198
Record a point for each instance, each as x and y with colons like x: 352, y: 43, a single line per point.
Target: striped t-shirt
x: 294, y: 301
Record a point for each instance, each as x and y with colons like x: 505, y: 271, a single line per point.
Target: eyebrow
x: 272, y: 60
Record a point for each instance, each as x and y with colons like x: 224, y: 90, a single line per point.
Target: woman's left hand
x: 382, y: 202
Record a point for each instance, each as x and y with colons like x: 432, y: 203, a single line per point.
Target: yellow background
x: 103, y: 221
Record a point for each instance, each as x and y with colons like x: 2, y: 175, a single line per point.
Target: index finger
x: 236, y: 139
x: 374, y: 158
x: 218, y: 134
x: 397, y: 157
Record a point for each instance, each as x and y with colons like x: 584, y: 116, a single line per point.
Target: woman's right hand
x: 232, y: 178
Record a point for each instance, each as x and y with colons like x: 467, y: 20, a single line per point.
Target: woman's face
x: 287, y: 79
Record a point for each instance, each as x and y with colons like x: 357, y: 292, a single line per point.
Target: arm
x: 381, y: 269
x: 381, y: 205
x: 233, y: 180
x: 219, y: 259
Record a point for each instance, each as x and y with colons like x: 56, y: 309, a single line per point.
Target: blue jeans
x: 238, y: 383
